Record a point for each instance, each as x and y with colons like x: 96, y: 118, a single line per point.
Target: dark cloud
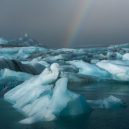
x: 49, y: 20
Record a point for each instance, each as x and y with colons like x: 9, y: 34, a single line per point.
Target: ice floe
x: 125, y: 56
x: 45, y: 97
x: 119, y: 72
x: 9, y: 79
x: 110, y: 102
x: 32, y: 68
x: 89, y: 69
x: 20, y: 53
x: 3, y: 41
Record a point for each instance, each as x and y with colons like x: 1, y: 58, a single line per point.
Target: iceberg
x: 118, y: 62
x: 45, y: 97
x: 21, y: 67
x: 61, y: 103
x: 69, y: 68
x: 117, y: 69
x: 7, y: 73
x: 38, y: 64
x: 3, y: 41
x: 20, y: 53
x: 9, y: 79
x: 89, y: 69
x: 110, y: 102
x: 125, y: 56
x: 53, y: 58
x: 76, y: 79
x: 48, y: 76
x: 35, y: 61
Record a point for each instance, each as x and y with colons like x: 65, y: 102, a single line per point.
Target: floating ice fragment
x: 108, y: 103
x: 118, y: 70
x: 126, y: 56
x: 45, y: 97
x: 89, y: 69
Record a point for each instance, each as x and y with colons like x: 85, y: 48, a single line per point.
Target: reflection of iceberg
x: 40, y: 98
x: 108, y: 103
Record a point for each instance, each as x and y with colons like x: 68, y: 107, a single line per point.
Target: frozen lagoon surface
x: 44, y: 88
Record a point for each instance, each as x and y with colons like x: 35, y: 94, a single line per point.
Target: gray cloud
x: 49, y: 20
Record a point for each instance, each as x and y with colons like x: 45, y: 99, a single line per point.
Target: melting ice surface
x: 44, y: 101
x: 49, y: 84
x: 118, y: 70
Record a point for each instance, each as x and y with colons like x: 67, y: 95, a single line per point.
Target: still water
x: 97, y: 119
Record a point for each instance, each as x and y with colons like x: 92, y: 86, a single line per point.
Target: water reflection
x: 68, y: 123
x: 101, y: 90
x: 9, y: 118
x: 98, y: 119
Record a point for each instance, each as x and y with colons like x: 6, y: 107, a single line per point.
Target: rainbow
x: 83, y: 8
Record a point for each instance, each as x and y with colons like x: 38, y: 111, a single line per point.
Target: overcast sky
x: 48, y: 21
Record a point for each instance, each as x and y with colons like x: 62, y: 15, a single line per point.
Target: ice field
x: 46, y: 85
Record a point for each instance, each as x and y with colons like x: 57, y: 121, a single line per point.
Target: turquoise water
x: 97, y: 119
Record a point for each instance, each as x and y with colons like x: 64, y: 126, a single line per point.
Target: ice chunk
x: 123, y: 45
x: 76, y: 79
x: 69, y: 68
x: 126, y: 56
x: 9, y: 79
x: 108, y: 103
x: 3, y: 41
x: 118, y: 70
x: 118, y: 62
x: 20, y: 53
x: 37, y: 63
x: 89, y: 69
x: 94, y: 61
x: 41, y: 98
x: 7, y: 73
x: 18, y: 66
x: 73, y: 104
x: 111, y: 55
x: 61, y: 103
x: 118, y: 56
x: 53, y: 58
x: 48, y: 76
